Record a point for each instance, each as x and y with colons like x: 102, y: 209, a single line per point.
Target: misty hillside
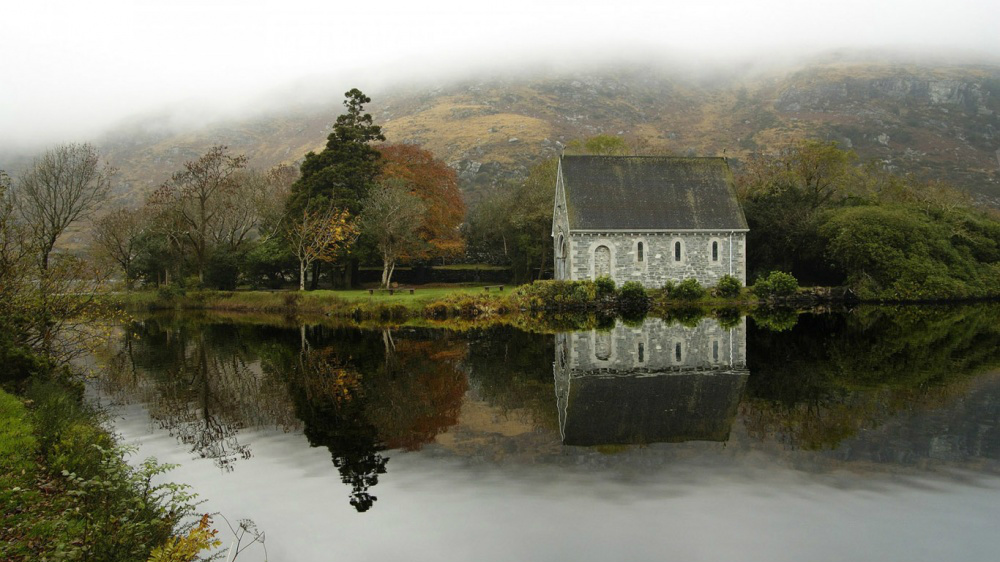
x: 938, y: 122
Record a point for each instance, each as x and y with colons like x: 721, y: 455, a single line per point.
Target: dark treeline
x: 833, y: 375
x: 815, y: 213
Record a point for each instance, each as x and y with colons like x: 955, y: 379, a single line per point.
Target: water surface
x: 861, y: 435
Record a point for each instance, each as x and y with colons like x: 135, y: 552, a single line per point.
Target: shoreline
x: 470, y: 307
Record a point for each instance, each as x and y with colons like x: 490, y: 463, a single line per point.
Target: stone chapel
x: 648, y: 219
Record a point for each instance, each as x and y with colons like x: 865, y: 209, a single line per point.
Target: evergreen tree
x: 345, y: 170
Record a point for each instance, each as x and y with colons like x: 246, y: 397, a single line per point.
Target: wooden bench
x: 497, y: 287
x: 390, y: 291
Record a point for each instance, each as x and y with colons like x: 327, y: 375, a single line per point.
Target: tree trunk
x: 351, y: 276
x: 314, y: 283
x: 387, y: 267
x: 302, y: 275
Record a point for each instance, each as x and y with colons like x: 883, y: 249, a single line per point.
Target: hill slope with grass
x: 935, y: 120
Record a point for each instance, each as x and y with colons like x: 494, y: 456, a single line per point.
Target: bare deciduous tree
x: 391, y: 216
x: 272, y: 203
x: 198, y: 196
x: 117, y: 235
x: 237, y: 219
x: 62, y: 186
x: 14, y: 260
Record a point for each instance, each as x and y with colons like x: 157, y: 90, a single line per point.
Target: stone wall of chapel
x: 655, y: 346
x: 659, y: 263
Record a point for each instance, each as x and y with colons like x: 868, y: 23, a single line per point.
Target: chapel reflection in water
x: 654, y: 382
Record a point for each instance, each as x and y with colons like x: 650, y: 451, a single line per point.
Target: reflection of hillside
x: 965, y: 433
x: 653, y: 383
x: 836, y: 375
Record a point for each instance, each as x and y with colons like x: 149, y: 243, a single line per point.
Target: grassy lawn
x: 320, y: 301
x: 420, y: 294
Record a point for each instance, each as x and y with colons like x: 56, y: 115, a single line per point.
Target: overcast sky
x: 72, y: 68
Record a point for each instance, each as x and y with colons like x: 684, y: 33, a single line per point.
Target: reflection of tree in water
x: 360, y: 393
x: 329, y: 399
x: 834, y: 375
x: 202, y: 384
x: 512, y: 370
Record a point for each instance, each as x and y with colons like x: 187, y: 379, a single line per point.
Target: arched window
x: 602, y: 261
x: 602, y: 345
x: 642, y: 353
x: 715, y: 251
x: 677, y: 352
x: 677, y: 251
x: 639, y: 251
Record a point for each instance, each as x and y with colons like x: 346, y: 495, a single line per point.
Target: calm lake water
x: 867, y: 435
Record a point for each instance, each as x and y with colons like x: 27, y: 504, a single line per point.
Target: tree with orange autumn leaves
x: 436, y: 184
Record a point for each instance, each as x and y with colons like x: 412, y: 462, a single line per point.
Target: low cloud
x: 74, y: 70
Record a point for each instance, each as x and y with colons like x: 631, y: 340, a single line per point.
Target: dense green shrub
x: 223, y: 271
x: 584, y: 292
x: 170, y: 292
x: 555, y: 294
x: 904, y: 253
x: 728, y: 287
x: 632, y: 296
x: 669, y: 287
x: 776, y: 284
x: 688, y: 290
x: 97, y: 506
x: 605, y: 286
x: 19, y: 363
x: 269, y: 263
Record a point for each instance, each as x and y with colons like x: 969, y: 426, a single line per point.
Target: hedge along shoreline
x: 539, y: 297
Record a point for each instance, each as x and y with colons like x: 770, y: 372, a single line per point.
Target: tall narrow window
x: 715, y: 251
x: 642, y: 353
x: 639, y: 251
x: 677, y: 251
x: 715, y: 350
x: 677, y: 352
x: 602, y: 261
x: 602, y: 345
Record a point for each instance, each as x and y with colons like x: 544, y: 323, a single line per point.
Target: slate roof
x: 650, y: 193
x: 668, y: 407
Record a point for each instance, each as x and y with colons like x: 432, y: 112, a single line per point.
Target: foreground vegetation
x: 66, y: 490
